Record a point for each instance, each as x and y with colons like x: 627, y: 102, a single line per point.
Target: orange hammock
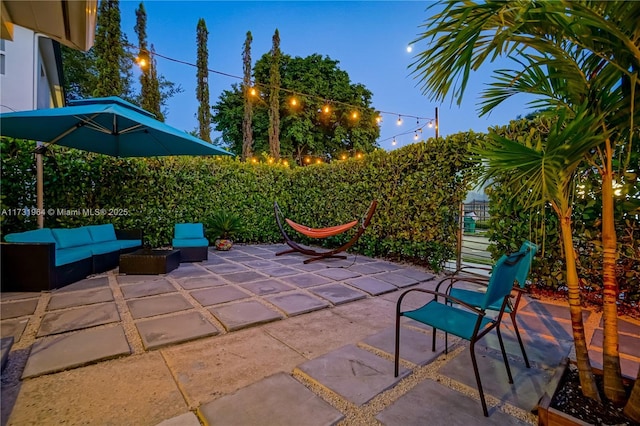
x: 322, y: 233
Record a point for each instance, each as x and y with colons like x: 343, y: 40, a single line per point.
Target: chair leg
x: 477, y: 373
x: 397, y: 352
x: 504, y: 353
x: 433, y: 339
x: 515, y: 327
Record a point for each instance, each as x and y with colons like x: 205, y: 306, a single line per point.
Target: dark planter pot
x: 548, y: 416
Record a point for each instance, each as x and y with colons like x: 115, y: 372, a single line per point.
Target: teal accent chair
x: 190, y: 240
x: 464, y: 320
x: 474, y: 297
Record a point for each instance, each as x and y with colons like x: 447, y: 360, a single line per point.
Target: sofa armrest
x: 129, y: 234
x: 28, y: 266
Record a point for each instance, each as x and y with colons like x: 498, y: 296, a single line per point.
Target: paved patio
x: 250, y: 338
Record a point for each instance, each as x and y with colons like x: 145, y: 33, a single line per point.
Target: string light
x: 144, y: 56
x: 394, y: 142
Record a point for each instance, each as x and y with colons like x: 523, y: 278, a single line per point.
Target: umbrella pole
x: 39, y: 191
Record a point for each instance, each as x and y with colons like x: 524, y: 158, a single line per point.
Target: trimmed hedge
x: 418, y: 188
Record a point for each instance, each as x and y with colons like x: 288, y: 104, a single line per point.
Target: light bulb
x: 394, y: 142
x: 399, y: 122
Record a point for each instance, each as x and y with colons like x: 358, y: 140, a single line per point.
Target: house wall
x: 30, y: 80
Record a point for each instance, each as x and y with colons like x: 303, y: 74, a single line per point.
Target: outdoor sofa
x: 48, y: 258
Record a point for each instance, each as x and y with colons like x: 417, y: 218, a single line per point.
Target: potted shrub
x: 222, y: 226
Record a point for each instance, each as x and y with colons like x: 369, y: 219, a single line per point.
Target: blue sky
x: 369, y: 38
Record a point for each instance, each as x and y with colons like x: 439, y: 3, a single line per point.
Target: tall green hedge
x: 418, y: 188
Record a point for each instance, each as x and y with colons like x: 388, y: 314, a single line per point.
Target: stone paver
x: 416, y: 274
x: 338, y: 274
x: 278, y: 400
x: 372, y: 285
x: 62, y: 352
x: 78, y: 318
x: 79, y: 298
x: 260, y: 264
x: 269, y: 286
x: 186, y: 419
x: 5, y: 347
x: 157, y: 305
x: 306, y: 280
x: 158, y: 332
x: 529, y: 383
x: 216, y: 295
x: 147, y: 288
x: 415, y: 346
x: 86, y: 284
x: 244, y: 314
x: 226, y: 268
x: 242, y: 277
x: 201, y: 282
x: 280, y: 271
x: 297, y: 303
x: 353, y: 373
x: 367, y: 268
x: 17, y: 309
x: 431, y: 403
x: 338, y: 293
x: 13, y: 327
x: 397, y: 279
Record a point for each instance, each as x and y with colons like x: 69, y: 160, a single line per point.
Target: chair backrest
x: 502, y: 279
x: 189, y: 230
x: 529, y: 249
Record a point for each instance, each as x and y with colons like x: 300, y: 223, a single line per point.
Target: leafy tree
x: 274, y: 98
x: 80, y: 73
x: 113, y: 63
x: 307, y: 129
x: 149, y: 85
x: 247, y: 132
x: 576, y: 56
x: 202, y: 88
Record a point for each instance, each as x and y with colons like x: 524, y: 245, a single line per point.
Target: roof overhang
x: 70, y: 22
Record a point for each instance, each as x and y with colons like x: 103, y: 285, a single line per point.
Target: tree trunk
x: 632, y: 409
x: 613, y: 387
x: 587, y: 380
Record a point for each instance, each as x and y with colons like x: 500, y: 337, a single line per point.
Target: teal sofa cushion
x: 105, y: 247
x: 102, y: 233
x: 188, y: 230
x: 72, y: 237
x: 125, y: 244
x: 43, y: 235
x: 190, y: 242
x: 73, y: 254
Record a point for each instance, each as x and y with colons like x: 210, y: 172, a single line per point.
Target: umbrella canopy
x: 108, y: 126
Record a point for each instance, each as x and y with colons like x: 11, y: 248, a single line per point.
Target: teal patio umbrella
x: 110, y: 126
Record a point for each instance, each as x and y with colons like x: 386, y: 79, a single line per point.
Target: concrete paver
x: 13, y: 327
x: 18, y: 309
x: 58, y: 353
x: 216, y: 295
x: 415, y: 346
x: 146, y: 288
x: 306, y: 280
x: 353, y: 373
x: 79, y: 298
x: 205, y: 281
x: 338, y: 274
x: 157, y: 305
x: 371, y: 285
x: 431, y: 403
x: 297, y: 303
x: 242, y: 277
x: 338, y: 293
x: 269, y: 286
x: 163, y: 331
x: 78, y: 318
x: 397, y: 279
x: 278, y: 400
x: 244, y: 314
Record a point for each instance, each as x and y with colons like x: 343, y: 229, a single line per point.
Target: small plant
x: 223, y: 224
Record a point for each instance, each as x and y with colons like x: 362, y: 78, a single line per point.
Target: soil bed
x: 569, y: 400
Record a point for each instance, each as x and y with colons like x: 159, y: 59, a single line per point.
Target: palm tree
x: 569, y: 54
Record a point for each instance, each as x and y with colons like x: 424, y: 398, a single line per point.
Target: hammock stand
x: 322, y: 233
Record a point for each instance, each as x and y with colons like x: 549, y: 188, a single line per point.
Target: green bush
x: 418, y: 188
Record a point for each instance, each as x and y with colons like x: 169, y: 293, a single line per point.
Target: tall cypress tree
x: 274, y: 98
x: 202, y: 88
x: 149, y: 87
x: 110, y: 53
x: 247, y: 133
